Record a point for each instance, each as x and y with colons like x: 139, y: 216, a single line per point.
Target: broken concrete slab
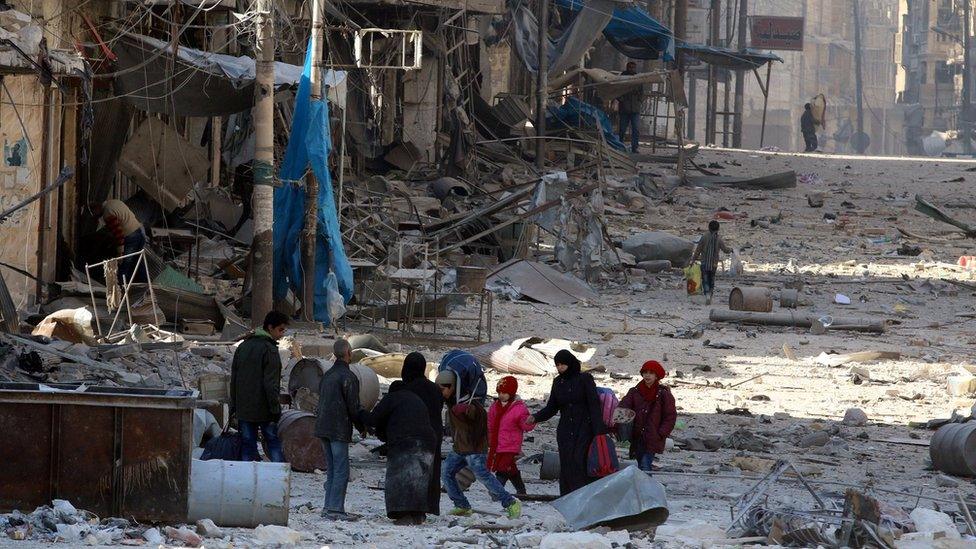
x: 659, y: 245
x: 163, y: 163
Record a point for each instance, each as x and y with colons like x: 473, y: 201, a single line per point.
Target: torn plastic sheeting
x: 528, y: 355
x: 580, y: 114
x: 309, y: 143
x: 629, y: 498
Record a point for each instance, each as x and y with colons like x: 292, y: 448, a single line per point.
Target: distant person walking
x: 338, y: 410
x: 629, y: 108
x: 707, y: 250
x: 255, y: 383
x: 808, y: 127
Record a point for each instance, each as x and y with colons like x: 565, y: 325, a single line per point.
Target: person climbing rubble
x: 707, y: 250
x: 469, y: 428
x: 655, y: 416
x: 255, y: 383
x: 507, y: 423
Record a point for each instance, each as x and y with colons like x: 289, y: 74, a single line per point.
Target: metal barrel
x: 302, y: 449
x: 750, y: 299
x: 239, y: 493
x: 953, y: 449
x: 471, y: 279
x: 789, y: 298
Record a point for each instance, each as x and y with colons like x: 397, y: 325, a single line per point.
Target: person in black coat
x: 400, y: 420
x: 808, y: 127
x: 412, y: 373
x: 574, y: 398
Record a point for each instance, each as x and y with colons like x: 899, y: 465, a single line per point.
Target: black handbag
x: 227, y: 446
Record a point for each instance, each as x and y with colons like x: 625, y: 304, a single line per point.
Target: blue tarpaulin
x: 579, y: 114
x: 308, y: 144
x: 633, y: 32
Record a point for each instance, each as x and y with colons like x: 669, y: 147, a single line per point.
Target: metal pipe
x: 43, y: 225
x: 262, y: 247
x: 740, y: 77
x: 542, y: 85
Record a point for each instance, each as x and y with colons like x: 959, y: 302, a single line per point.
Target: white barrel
x: 239, y: 493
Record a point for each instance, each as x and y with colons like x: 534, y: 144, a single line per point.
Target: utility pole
x: 740, y: 81
x: 715, y: 14
x: 858, y: 80
x: 262, y: 202
x: 542, y: 86
x: 680, y: 22
x: 967, y: 77
x: 310, y: 230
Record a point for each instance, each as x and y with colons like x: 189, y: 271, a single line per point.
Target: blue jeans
x: 631, y: 119
x: 249, y: 440
x: 454, y: 462
x: 337, y: 474
x: 708, y: 282
x: 645, y: 462
x: 133, y: 243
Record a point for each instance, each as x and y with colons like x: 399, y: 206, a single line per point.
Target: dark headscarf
x: 414, y: 366
x: 569, y: 359
x: 396, y: 386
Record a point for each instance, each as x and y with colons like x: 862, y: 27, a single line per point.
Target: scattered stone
x: 945, y: 481
x: 205, y: 352
x: 585, y: 540
x: 929, y: 520
x: 619, y: 352
x: 743, y: 439
x: 855, y: 417
x: 183, y: 535
x: 153, y: 537
x: 816, y: 438
x: 207, y: 529
x: 277, y: 535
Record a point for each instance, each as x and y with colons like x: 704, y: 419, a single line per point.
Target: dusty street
x: 780, y: 401
x: 932, y: 328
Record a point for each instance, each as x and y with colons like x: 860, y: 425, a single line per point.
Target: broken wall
x: 420, y: 106
x: 20, y: 177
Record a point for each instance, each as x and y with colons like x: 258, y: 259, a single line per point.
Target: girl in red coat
x: 656, y: 414
x: 506, y: 423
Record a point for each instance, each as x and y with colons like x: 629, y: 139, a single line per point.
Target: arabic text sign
x: 777, y: 33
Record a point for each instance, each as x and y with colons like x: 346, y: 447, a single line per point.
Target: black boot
x: 502, y: 478
x: 517, y: 483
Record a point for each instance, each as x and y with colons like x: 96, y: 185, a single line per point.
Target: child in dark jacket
x: 506, y: 424
x: 655, y: 412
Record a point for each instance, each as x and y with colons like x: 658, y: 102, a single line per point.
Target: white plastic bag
x: 335, y: 302
x: 735, y: 265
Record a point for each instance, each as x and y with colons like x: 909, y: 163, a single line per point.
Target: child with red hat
x: 655, y: 416
x: 507, y: 421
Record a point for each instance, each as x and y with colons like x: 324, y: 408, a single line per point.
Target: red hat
x: 507, y: 384
x: 654, y: 367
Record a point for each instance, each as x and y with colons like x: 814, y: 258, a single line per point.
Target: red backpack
x: 602, y: 458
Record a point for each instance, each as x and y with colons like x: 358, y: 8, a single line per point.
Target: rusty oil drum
x: 750, y: 299
x: 953, y: 449
x: 302, y: 449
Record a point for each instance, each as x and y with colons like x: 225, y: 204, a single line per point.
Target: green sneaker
x: 461, y: 512
x: 514, y: 510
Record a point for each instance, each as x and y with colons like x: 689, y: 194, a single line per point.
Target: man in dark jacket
x: 629, y: 108
x: 808, y: 127
x: 337, y: 412
x: 255, y: 383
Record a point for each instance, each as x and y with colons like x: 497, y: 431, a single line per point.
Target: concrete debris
x: 934, y: 522
x: 207, y: 529
x: 855, y: 417
x: 277, y: 536
x: 659, y: 246
x: 183, y: 535
x: 585, y: 540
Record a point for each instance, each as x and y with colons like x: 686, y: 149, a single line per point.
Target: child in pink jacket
x: 506, y: 423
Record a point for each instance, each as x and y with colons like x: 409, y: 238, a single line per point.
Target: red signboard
x: 777, y: 33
